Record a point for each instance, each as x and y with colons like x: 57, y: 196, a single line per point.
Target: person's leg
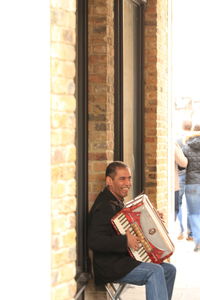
x: 180, y: 217
x: 170, y: 274
x: 182, y: 178
x: 158, y: 279
x: 176, y: 203
x: 189, y: 229
x: 181, y: 193
x: 195, y: 222
x: 193, y: 203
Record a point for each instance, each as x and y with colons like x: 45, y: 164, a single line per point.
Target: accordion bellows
x: 140, y: 217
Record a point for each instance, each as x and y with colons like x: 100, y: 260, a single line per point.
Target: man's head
x: 196, y: 127
x: 118, y: 179
x: 187, y: 125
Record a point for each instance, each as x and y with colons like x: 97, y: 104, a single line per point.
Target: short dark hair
x: 111, y: 168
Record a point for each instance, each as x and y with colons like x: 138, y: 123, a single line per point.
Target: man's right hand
x: 133, y: 241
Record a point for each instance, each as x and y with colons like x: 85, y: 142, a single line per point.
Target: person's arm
x: 180, y: 159
x: 102, y: 236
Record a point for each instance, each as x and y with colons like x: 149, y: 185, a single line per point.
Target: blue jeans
x: 181, y: 193
x: 192, y: 193
x: 158, y: 279
x: 176, y: 202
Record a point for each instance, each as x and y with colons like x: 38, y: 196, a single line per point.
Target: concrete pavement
x: 187, y: 284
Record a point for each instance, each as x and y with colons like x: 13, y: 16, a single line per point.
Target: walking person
x: 186, y: 128
x: 192, y: 189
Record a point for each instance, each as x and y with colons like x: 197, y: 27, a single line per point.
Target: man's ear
x: 108, y: 181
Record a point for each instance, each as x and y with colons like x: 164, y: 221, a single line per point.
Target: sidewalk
x: 187, y: 284
x: 187, y: 262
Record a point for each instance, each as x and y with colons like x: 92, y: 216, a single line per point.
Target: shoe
x: 197, y: 248
x: 189, y: 238
x: 180, y: 237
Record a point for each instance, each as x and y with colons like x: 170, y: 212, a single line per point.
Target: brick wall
x: 101, y: 102
x: 156, y: 93
x: 101, y: 105
x: 63, y: 104
x: 101, y: 119
x: 162, y: 105
x: 101, y: 92
x: 101, y: 95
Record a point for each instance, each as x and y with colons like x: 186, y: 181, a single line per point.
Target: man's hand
x: 161, y: 215
x: 133, y: 241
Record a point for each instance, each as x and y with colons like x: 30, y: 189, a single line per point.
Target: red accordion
x: 142, y: 220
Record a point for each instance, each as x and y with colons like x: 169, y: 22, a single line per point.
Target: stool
x: 115, y: 289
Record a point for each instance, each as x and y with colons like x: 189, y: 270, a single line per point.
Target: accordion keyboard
x: 141, y: 254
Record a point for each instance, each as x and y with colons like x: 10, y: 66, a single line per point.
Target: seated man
x: 111, y: 260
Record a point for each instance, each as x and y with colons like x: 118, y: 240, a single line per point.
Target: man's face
x: 120, y: 184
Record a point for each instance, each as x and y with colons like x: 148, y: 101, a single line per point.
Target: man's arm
x: 180, y: 158
x: 101, y: 235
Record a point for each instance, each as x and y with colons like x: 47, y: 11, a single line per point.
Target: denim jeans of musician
x: 158, y: 279
x: 192, y: 193
x: 180, y: 216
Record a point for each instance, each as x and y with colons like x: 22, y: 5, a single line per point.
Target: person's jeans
x: 158, y: 279
x: 176, y: 202
x: 192, y: 193
x: 181, y: 193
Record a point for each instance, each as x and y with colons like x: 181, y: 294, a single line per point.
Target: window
x: 128, y: 88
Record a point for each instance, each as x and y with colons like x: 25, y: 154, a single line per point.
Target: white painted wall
x: 24, y: 150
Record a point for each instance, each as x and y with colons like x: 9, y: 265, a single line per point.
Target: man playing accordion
x: 111, y: 259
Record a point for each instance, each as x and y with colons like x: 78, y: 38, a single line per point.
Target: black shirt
x: 111, y: 260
